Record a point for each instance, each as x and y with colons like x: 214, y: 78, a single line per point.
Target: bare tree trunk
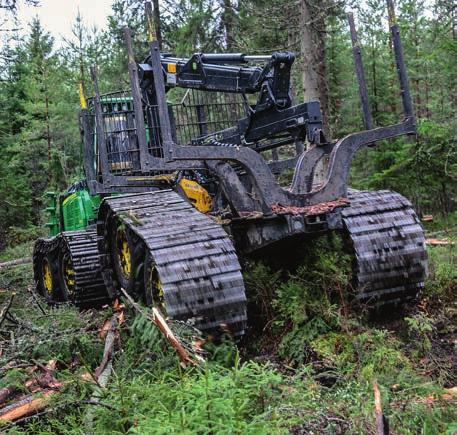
x: 227, y: 23
x: 427, y: 95
x: 375, y: 80
x: 454, y: 21
x: 312, y: 46
x: 156, y: 12
x: 313, y: 14
x: 48, y: 130
x: 81, y: 50
x: 47, y: 118
x: 417, y: 87
x: 393, y: 82
x: 291, y: 42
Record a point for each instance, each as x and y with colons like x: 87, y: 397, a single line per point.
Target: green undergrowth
x: 17, y: 239
x: 442, y: 226
x: 17, y: 251
x: 307, y: 364
x: 442, y: 280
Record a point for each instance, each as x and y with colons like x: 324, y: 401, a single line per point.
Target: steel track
x: 89, y: 290
x: 194, y: 257
x: 198, y: 266
x: 388, y: 244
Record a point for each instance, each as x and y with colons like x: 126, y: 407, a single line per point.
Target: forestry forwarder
x: 175, y: 193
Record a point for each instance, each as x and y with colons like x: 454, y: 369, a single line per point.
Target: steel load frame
x: 261, y: 192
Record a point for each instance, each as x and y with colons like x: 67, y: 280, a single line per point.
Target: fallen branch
x: 56, y: 408
x: 7, y: 392
x: 109, y: 346
x: 6, y: 308
x: 16, y: 262
x: 46, y: 385
x: 452, y: 391
x: 381, y: 422
x: 103, y: 371
x: 26, y: 406
x: 161, y: 323
x: 449, y: 395
x: 439, y: 242
x: 37, y: 383
x: 43, y: 311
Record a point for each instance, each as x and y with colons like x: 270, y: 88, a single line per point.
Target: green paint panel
x: 51, y: 210
x: 78, y: 209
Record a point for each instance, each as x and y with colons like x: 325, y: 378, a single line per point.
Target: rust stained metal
x: 310, y: 210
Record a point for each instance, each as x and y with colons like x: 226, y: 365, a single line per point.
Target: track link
x: 389, y: 246
x: 195, y: 259
x: 81, y: 246
x: 89, y: 289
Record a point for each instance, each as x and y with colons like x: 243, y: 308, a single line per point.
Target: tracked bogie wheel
x: 182, y: 261
x: 127, y: 255
x: 66, y: 269
x: 388, y: 246
x: 79, y: 269
x: 45, y: 268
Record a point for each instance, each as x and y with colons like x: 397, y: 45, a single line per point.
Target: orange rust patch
x: 310, y: 210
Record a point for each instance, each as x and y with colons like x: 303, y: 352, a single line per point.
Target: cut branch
x: 24, y: 260
x: 6, y: 308
x: 46, y: 385
x: 38, y: 383
x: 109, y: 347
x: 439, y: 242
x: 26, y: 406
x: 7, y: 392
x: 381, y: 423
x: 43, y: 311
x: 163, y: 327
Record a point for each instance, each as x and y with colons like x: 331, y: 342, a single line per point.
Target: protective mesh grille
x: 200, y: 113
x: 196, y: 114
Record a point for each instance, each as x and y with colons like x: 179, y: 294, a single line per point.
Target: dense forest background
x: 313, y: 360
x: 39, y: 133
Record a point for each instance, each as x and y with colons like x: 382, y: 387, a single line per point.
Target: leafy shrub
x: 420, y: 328
x: 442, y: 279
x: 308, y: 303
x: 18, y: 235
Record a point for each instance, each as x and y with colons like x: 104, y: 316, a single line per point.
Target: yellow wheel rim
x: 47, y: 277
x: 69, y: 274
x: 123, y: 252
x: 158, y: 293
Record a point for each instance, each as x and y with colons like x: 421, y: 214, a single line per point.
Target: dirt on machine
x: 182, y: 185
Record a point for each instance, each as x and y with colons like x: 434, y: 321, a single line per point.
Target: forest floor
x: 310, y: 363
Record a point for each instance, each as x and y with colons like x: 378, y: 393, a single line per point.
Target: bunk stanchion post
x: 150, y: 24
x: 400, y: 62
x: 100, y: 131
x: 87, y: 138
x: 360, y: 73
x: 159, y: 85
x: 137, y: 101
x: 156, y: 15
